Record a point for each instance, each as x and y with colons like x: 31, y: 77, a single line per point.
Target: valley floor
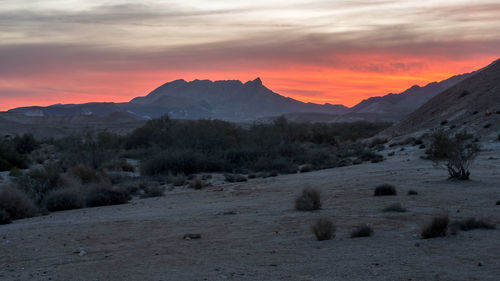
x: 266, y: 238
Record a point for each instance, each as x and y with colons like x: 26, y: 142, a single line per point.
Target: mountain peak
x: 256, y: 81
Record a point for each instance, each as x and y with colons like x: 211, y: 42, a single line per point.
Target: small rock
x: 189, y: 236
x: 480, y: 263
x: 82, y: 253
x: 498, y: 203
x: 417, y: 244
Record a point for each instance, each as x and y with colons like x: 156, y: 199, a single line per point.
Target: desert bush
x: 85, y: 174
x: 119, y: 165
x: 234, y: 178
x: 437, y: 228
x: 412, y: 192
x: 177, y: 180
x: 396, y: 207
x: 324, y: 229
x: 37, y: 182
x: 64, y: 199
x: 15, y: 172
x: 197, y: 183
x: 103, y: 195
x: 25, y: 144
x: 153, y: 190
x: 306, y: 168
x: 252, y: 176
x: 472, y: 223
x: 4, y: 217
x: 385, y: 190
x: 363, y: 230
x: 10, y: 157
x: 458, y: 152
x: 309, y: 200
x: 16, y: 203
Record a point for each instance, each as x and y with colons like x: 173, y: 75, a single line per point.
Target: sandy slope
x: 267, y: 239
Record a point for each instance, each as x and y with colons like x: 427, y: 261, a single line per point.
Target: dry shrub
x: 153, y: 190
x: 16, y: 203
x: 85, y: 174
x: 363, y: 230
x: 197, y: 183
x: 64, y: 199
x: 4, y: 217
x: 306, y: 168
x: 412, y: 192
x: 324, y: 229
x: 103, y: 195
x: 309, y: 200
x: 385, y: 190
x: 234, y: 178
x: 177, y: 180
x: 437, y: 228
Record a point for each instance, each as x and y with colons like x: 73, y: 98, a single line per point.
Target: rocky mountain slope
x: 473, y: 105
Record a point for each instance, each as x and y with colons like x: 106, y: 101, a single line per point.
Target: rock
x: 480, y: 263
x: 189, y: 236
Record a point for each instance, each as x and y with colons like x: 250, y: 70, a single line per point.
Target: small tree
x: 458, y: 152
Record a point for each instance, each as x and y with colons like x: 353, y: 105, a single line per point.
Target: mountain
x: 396, y: 106
x: 228, y: 100
x: 473, y: 104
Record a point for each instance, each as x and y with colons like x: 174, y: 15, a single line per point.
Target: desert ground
x: 251, y: 231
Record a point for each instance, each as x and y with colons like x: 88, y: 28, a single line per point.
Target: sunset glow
x: 339, y: 52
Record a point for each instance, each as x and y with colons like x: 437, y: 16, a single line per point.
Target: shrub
x: 234, y: 178
x: 103, y: 195
x: 306, y: 168
x: 64, y: 199
x: 385, y: 190
x: 197, y: 183
x: 85, y: 174
x: 412, y: 192
x: 458, y: 152
x: 177, y: 180
x: 4, y: 217
x: 396, y: 207
x: 252, y: 176
x: 153, y: 190
x: 36, y: 183
x: 16, y: 203
x: 324, y: 229
x: 437, y: 228
x: 473, y: 223
x: 363, y: 230
x: 15, y: 172
x: 309, y: 200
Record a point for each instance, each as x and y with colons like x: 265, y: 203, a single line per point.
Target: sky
x: 339, y: 52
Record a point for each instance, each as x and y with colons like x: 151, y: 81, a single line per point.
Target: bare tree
x: 458, y: 152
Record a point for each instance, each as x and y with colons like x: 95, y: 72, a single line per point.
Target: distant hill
x: 228, y: 100
x: 473, y: 104
x: 396, y: 106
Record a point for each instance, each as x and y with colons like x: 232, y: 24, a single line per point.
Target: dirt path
x: 267, y: 239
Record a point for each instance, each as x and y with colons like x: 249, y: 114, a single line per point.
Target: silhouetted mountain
x: 230, y: 100
x: 396, y: 106
x: 473, y: 104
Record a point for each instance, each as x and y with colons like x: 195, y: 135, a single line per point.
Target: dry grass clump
x: 385, y: 190
x: 396, y: 207
x: 363, y: 230
x: 64, y: 199
x: 324, y: 229
x: 473, y: 223
x: 85, y: 174
x: 16, y: 203
x: 412, y: 192
x: 437, y: 228
x: 309, y: 200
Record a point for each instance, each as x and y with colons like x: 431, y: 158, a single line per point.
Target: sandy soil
x: 267, y: 239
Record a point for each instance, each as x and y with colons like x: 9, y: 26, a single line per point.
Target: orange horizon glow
x: 324, y: 85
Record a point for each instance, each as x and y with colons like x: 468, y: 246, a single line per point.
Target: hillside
x: 473, y: 104
x: 397, y: 106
